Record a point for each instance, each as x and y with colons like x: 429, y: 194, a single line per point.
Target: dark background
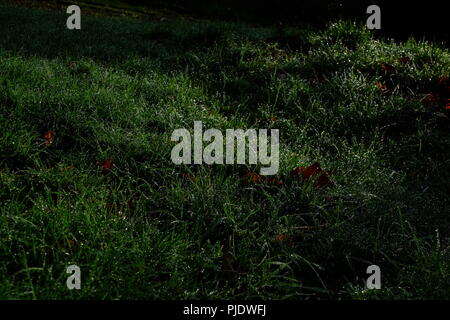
x: 399, y: 18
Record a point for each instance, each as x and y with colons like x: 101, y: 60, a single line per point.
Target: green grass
x: 118, y: 88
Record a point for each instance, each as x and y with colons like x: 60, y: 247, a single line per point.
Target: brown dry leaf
x: 69, y: 245
x: 73, y: 244
x: 444, y: 81
x: 49, y: 137
x: 381, y: 85
x: 274, y: 182
x: 280, y: 237
x: 431, y: 97
x: 440, y: 94
x: 252, y: 177
x: 172, y: 141
x: 405, y: 60
x: 255, y: 178
x: 313, y: 170
x: 388, y: 68
x: 443, y: 88
x: 306, y: 173
x: 284, y: 238
x: 323, y: 181
x: 187, y: 177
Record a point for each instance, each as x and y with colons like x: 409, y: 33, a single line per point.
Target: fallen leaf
x: 73, y: 244
x: 284, y: 238
x: 431, y: 97
x: 323, y: 179
x: 306, y: 173
x: 445, y: 81
x: 388, y: 68
x: 105, y: 165
x: 274, y: 182
x: 187, y: 177
x: 440, y: 94
x: 255, y: 178
x: 69, y: 245
x: 405, y: 60
x: 49, y: 137
x: 252, y: 177
x: 381, y: 85
x: 280, y: 237
x: 443, y: 88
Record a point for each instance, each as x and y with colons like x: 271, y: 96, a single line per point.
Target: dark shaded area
x: 400, y: 19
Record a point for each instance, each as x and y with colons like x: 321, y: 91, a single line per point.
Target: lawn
x: 86, y: 175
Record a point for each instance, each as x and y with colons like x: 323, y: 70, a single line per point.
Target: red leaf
x: 280, y: 237
x: 69, y: 245
x: 72, y: 243
x: 444, y: 81
x: 274, y: 182
x: 381, y: 85
x: 313, y: 170
x: 440, y: 94
x: 253, y: 177
x: 387, y: 68
x: 105, y: 165
x: 284, y: 238
x: 49, y: 136
x: 405, y: 60
x: 296, y: 172
x: 187, y: 177
x: 308, y: 172
x: 323, y: 181
x: 431, y: 97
